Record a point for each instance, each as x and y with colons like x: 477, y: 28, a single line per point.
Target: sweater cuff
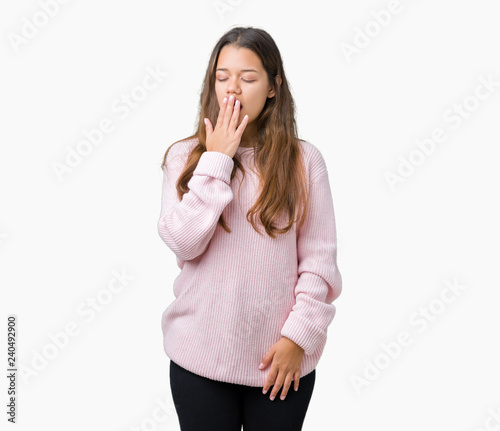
x: 303, y: 332
x: 215, y: 164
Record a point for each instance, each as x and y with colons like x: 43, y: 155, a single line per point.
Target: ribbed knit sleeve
x: 187, y: 226
x: 319, y: 280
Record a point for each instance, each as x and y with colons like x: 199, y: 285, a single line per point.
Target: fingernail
x: 261, y: 365
x: 231, y: 97
x: 264, y: 391
x: 282, y: 398
x: 272, y: 398
x: 225, y: 100
x: 296, y: 389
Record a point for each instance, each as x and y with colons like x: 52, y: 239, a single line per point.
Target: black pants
x: 210, y: 405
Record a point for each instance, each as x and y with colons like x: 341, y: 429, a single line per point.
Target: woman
x: 247, y: 210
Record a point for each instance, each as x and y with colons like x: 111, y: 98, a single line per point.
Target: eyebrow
x: 242, y: 70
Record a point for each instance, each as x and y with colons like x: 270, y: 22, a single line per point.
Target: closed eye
x: 225, y: 79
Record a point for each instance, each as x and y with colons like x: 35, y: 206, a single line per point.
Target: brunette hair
x: 277, y: 153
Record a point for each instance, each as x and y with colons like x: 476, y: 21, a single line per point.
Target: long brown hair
x: 278, y: 156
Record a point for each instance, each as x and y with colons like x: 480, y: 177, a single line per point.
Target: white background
x: 398, y: 247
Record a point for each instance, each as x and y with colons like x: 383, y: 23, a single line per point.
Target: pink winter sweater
x: 238, y: 293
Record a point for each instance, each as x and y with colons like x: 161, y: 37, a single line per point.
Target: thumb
x: 266, y: 359
x: 208, y: 127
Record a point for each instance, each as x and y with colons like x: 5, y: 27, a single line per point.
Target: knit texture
x: 238, y: 293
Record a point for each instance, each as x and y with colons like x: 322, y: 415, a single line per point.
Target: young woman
x: 247, y: 209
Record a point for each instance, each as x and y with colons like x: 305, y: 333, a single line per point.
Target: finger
x: 271, y: 377
x: 242, y: 126
x: 208, y: 127
x: 296, y: 380
x: 236, y: 114
x: 222, y: 110
x: 277, y: 387
x: 286, y: 386
x: 228, y: 113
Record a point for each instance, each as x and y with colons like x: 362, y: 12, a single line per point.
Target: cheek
x: 262, y: 95
x: 257, y: 101
x: 219, y: 94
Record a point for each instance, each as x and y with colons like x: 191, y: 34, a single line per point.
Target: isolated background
x: 60, y: 241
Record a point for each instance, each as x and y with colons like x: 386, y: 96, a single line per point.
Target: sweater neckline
x: 245, y: 148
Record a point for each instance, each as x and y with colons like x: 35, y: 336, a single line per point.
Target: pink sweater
x: 238, y: 293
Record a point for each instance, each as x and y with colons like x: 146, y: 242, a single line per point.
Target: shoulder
x: 313, y: 158
x: 178, y: 152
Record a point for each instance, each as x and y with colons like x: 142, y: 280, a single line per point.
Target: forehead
x: 237, y: 59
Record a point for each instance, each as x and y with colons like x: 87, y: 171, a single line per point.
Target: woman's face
x: 239, y: 72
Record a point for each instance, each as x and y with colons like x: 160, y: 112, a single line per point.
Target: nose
x: 232, y: 87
